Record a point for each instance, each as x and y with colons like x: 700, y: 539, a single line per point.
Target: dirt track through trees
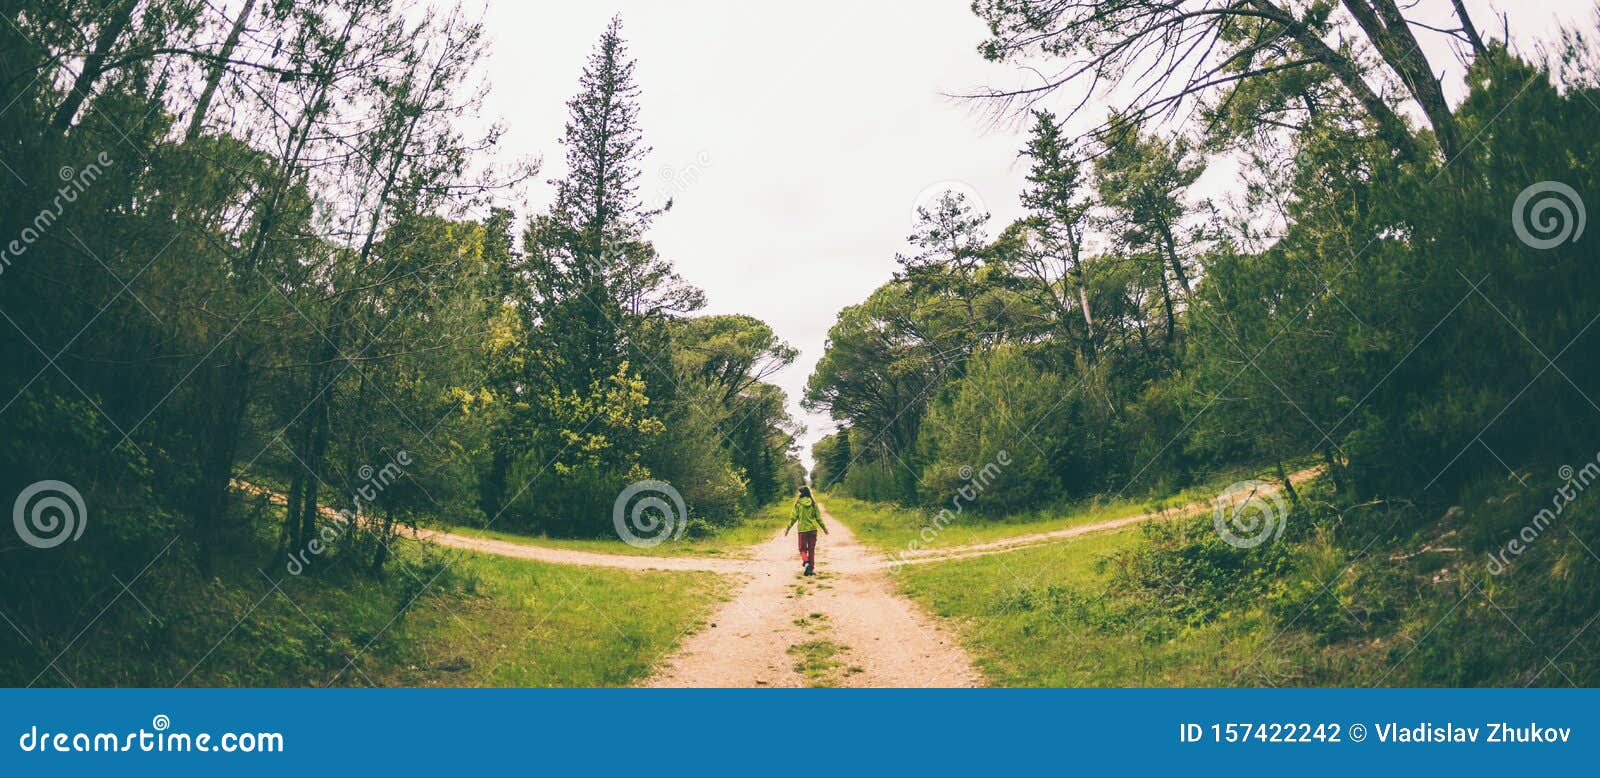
x: 845, y: 626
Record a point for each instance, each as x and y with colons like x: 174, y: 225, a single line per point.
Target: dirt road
x: 846, y: 626
x: 853, y: 559
x: 843, y: 627
x: 1017, y: 542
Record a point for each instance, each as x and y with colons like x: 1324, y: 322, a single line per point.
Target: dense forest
x: 257, y: 248
x: 1394, y: 289
x: 268, y: 314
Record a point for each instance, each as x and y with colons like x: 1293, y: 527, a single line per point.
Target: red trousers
x: 808, y: 547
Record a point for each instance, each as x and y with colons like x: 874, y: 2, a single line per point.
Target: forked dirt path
x: 850, y: 557
x: 1018, y: 542
x: 843, y: 627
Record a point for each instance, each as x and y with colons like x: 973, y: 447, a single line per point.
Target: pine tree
x: 598, y: 367
x: 1059, y: 212
x: 596, y: 278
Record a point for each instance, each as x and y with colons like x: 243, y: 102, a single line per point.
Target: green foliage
x: 1185, y: 571
x: 255, y: 267
x: 1374, y: 297
x: 833, y: 456
x: 994, y: 433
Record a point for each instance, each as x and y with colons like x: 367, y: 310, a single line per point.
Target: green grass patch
x: 894, y: 529
x: 1044, y: 617
x: 819, y: 661
x: 730, y: 542
x: 536, y: 624
x: 1368, y: 593
x: 435, y: 617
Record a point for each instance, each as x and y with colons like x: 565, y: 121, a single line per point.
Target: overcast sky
x: 797, y: 138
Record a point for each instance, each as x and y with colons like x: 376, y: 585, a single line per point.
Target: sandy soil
x: 877, y: 638
x: 568, y: 556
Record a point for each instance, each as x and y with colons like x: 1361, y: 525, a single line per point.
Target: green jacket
x: 806, y: 515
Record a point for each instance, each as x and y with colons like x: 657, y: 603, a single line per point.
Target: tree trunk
x: 1391, y: 35
x: 1470, y: 29
x: 93, y: 64
x: 1171, y: 246
x: 1283, y: 477
x: 491, y: 492
x: 220, y: 447
x: 317, y: 440
x: 1166, y: 303
x: 1390, y: 125
x: 1335, y: 472
x: 214, y: 73
x: 381, y: 555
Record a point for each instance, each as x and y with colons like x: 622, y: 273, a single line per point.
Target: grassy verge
x: 1353, y: 593
x: 892, y: 528
x: 435, y: 618
x: 533, y: 624
x: 731, y: 542
x: 1036, y: 617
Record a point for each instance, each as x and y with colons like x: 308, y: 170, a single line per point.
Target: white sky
x: 796, y: 138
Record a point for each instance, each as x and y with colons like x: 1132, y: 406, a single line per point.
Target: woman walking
x: 809, y: 517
